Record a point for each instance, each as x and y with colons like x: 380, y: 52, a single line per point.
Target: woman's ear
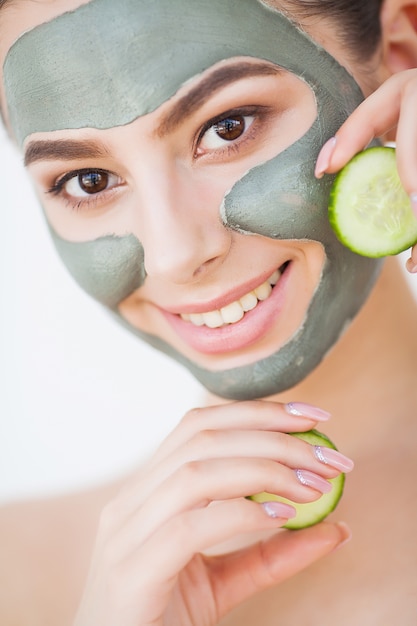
x: 399, y: 34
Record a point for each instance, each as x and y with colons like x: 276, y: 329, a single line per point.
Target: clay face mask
x: 107, y: 63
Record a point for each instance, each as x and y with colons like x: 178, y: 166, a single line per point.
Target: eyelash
x: 85, y: 202
x: 258, y: 113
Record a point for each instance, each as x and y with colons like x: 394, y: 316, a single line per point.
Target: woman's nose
x: 179, y: 225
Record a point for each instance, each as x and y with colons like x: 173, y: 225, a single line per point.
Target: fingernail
x: 328, y: 456
x: 301, y: 409
x: 325, y: 155
x: 413, y: 198
x: 279, y: 509
x: 308, y: 479
x: 345, y: 535
x: 411, y: 265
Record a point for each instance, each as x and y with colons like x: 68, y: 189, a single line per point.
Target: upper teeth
x: 234, y: 311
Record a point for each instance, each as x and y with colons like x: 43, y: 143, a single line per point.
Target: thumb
x: 238, y: 575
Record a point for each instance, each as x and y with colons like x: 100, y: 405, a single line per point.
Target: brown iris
x: 230, y: 128
x: 93, y: 182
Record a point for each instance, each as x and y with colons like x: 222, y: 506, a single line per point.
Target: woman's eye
x: 225, y: 130
x: 88, y: 183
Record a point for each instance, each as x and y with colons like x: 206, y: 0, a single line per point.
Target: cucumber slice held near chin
x: 369, y: 209
x: 310, y: 513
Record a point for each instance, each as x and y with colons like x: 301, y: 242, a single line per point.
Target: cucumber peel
x: 310, y: 513
x: 369, y: 209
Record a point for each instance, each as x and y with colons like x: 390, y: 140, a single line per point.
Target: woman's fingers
x: 237, y: 576
x: 222, y: 444
x: 412, y: 261
x: 249, y: 415
x: 199, y: 440
x: 152, y: 549
x: 406, y: 138
x: 198, y: 484
x: 392, y: 105
x: 168, y: 551
x: 149, y: 541
x: 233, y: 577
x: 142, y: 584
x: 191, y: 499
x: 232, y: 448
x: 374, y: 117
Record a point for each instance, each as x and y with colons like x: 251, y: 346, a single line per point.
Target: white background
x: 81, y: 400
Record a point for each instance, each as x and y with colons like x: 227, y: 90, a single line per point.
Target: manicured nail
x: 328, y: 456
x: 308, y: 479
x: 345, y: 535
x: 413, y: 198
x: 279, y: 509
x: 301, y: 409
x: 324, y: 158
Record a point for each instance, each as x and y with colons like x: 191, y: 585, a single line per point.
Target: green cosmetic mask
x: 108, y: 63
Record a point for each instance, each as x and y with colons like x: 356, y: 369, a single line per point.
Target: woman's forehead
x: 104, y: 64
x: 20, y: 16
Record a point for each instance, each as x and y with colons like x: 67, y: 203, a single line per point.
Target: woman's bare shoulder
x: 45, y: 548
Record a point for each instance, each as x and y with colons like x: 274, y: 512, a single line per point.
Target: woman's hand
x: 391, y: 108
x: 149, y: 566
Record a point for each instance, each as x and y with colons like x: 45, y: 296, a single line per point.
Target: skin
x: 152, y: 534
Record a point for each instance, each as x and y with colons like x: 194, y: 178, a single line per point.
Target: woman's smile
x: 237, y: 324
x: 235, y: 311
x: 249, y: 320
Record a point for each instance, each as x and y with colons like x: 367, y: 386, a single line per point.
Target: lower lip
x: 254, y: 325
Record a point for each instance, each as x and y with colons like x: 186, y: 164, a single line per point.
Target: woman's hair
x: 358, y: 21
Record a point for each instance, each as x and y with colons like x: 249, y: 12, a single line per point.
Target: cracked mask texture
x: 138, y: 55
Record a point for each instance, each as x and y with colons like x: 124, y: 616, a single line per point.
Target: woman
x: 173, y: 148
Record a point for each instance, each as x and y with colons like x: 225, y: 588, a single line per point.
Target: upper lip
x: 221, y: 301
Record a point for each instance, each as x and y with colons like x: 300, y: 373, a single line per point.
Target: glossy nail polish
x: 276, y: 509
x: 328, y: 456
x: 302, y: 409
x: 309, y: 479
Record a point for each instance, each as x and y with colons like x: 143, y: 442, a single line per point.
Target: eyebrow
x: 67, y: 149
x: 63, y: 150
x: 198, y: 95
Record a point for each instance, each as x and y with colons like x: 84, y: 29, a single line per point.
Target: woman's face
x: 175, y: 168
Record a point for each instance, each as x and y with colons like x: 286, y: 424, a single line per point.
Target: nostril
x: 181, y: 248
x: 205, y: 267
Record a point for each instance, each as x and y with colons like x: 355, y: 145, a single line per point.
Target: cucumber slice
x: 369, y: 209
x: 310, y: 513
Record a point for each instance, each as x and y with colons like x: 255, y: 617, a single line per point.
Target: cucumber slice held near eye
x: 369, y: 209
x: 310, y: 513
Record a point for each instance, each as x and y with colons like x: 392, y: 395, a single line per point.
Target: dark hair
x: 357, y: 22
